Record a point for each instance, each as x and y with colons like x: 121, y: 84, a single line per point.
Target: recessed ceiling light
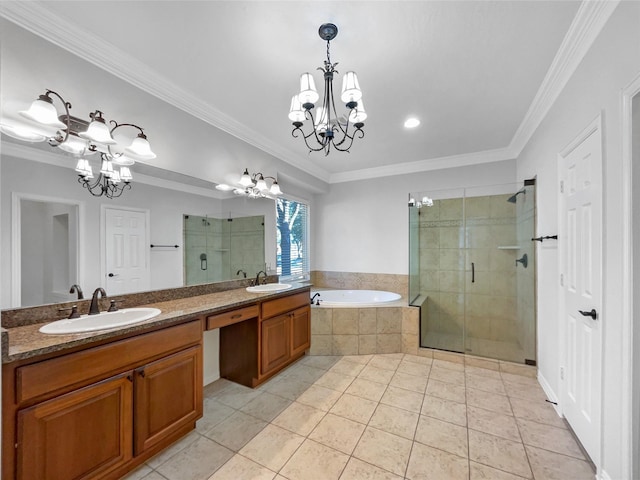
x: 411, y: 122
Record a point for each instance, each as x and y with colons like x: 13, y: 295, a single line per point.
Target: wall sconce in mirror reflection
x: 82, y: 138
x: 425, y: 202
x: 253, y: 185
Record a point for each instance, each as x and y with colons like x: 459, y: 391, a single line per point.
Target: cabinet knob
x: 141, y: 373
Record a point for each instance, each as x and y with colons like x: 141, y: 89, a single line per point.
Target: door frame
x: 16, y: 239
x: 630, y: 365
x: 595, y: 126
x: 103, y: 237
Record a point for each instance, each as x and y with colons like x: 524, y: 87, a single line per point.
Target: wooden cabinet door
x: 300, y: 331
x: 168, y: 396
x: 83, y: 434
x: 275, y: 343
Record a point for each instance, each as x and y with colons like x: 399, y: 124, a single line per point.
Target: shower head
x: 512, y: 198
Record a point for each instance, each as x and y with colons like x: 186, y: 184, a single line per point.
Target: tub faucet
x: 314, y: 296
x: 76, y: 288
x: 94, y: 309
x: 257, y: 281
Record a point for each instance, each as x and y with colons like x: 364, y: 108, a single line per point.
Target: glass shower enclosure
x: 472, y: 270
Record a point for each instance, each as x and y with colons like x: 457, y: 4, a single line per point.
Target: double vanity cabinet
x: 99, y: 409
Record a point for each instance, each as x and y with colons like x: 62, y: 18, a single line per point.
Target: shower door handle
x: 473, y: 272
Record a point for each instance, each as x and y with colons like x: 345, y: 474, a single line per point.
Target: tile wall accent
x: 361, y: 281
x: 363, y: 331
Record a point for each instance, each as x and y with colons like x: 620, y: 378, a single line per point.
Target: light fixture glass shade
x: 308, y: 92
x: 245, y: 179
x: 275, y: 189
x: 125, y: 174
x: 238, y: 191
x: 22, y: 133
x: 261, y: 184
x: 43, y: 111
x: 140, y: 148
x: 115, y: 177
x: 74, y: 145
x: 358, y: 114
x: 98, y: 132
x: 123, y: 160
x: 107, y: 168
x: 84, y: 169
x: 296, y: 112
x: 350, y: 88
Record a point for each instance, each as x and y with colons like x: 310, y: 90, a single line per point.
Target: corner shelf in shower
x: 509, y: 247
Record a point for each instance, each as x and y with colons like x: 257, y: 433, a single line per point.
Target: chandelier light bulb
x: 43, y: 111
x: 261, y: 184
x: 98, y: 131
x: 308, y: 93
x: 275, y: 188
x: 245, y: 180
x: 296, y: 112
x: 140, y: 148
x: 350, y: 88
x: 20, y: 132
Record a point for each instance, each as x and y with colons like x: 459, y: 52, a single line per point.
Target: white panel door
x: 126, y: 252
x: 581, y: 214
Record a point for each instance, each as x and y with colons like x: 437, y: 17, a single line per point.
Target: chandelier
x: 327, y: 129
x: 253, y: 186
x: 82, y: 139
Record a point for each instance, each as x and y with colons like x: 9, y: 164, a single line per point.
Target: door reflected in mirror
x: 46, y: 242
x: 219, y: 249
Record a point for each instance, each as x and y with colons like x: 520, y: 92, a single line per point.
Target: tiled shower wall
x: 229, y: 245
x: 448, y: 247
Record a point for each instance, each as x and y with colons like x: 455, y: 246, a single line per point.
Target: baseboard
x: 551, y: 395
x: 211, y: 379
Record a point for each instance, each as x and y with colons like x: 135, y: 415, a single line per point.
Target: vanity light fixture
x: 253, y: 186
x: 326, y: 128
x: 83, y: 138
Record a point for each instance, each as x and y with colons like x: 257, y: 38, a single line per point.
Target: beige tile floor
x: 375, y: 417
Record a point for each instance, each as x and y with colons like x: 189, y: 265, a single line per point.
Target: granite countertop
x: 26, y: 341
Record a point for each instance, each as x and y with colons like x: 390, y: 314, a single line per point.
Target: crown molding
x: 465, y: 159
x: 40, y: 20
x: 26, y: 152
x: 585, y: 27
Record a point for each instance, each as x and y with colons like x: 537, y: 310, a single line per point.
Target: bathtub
x: 354, y: 298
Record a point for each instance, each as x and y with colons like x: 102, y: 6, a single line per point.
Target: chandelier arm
x: 358, y: 132
x: 320, y: 140
x: 117, y: 125
x: 67, y: 118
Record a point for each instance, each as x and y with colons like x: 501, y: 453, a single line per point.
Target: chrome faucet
x: 76, y: 288
x: 94, y: 309
x: 257, y: 281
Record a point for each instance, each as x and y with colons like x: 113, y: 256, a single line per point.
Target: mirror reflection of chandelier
x: 253, y: 186
x: 82, y: 139
x: 327, y: 129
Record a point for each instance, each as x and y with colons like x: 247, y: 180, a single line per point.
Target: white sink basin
x: 102, y: 321
x: 269, y: 287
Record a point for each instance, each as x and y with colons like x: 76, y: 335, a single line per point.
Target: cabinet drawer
x: 272, y: 308
x: 234, y: 316
x: 79, y: 368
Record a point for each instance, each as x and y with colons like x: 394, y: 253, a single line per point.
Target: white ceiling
x: 472, y: 71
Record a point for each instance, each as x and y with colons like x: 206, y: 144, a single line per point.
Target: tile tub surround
x: 361, y: 281
x: 363, y: 331
x: 329, y: 417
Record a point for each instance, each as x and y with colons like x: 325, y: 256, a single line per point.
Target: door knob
x: 113, y: 275
x: 593, y: 314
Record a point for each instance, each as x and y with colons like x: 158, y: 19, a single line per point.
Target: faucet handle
x: 112, y: 305
x: 74, y: 311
